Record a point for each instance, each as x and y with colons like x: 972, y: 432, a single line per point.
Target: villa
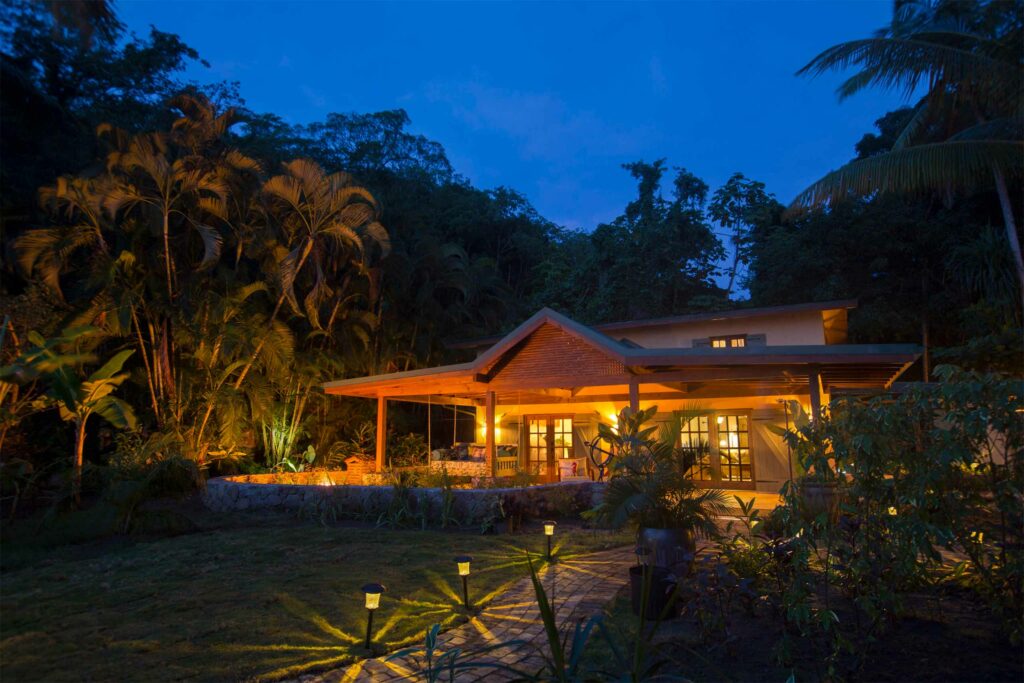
x: 540, y: 391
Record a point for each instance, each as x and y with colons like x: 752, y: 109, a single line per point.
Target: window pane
x: 734, y: 448
x: 694, y: 439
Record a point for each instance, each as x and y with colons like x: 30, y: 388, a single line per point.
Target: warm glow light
x: 734, y: 441
x: 723, y: 443
x: 720, y: 419
x: 373, y: 592
x: 892, y: 511
x: 549, y: 528
x: 463, y: 563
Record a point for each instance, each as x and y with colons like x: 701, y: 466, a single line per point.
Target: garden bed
x: 314, y: 492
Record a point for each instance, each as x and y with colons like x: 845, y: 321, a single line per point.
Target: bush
x: 937, y: 468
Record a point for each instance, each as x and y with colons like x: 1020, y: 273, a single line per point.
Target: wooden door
x: 548, y: 439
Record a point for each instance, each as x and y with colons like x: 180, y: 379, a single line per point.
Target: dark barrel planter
x: 819, y: 497
x: 669, y: 548
x: 663, y: 583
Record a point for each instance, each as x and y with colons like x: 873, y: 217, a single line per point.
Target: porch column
x: 814, y: 380
x: 382, y: 432
x: 490, y: 451
x: 634, y: 395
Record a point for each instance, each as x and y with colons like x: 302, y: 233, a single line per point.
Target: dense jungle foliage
x: 180, y: 265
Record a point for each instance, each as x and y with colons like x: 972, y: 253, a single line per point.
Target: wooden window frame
x: 551, y: 462
x: 715, y: 453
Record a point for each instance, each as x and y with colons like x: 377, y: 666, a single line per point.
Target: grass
x: 269, y: 600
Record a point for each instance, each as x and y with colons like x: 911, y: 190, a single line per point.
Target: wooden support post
x: 382, y: 432
x: 490, y: 452
x: 814, y: 382
x: 634, y: 396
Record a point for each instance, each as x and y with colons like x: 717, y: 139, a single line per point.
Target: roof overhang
x: 783, y: 369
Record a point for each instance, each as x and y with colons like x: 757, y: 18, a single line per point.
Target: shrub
x: 939, y: 467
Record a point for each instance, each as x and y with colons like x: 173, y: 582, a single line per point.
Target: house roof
x: 709, y: 316
x: 783, y: 366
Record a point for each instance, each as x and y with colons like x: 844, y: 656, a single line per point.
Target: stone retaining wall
x: 465, y: 507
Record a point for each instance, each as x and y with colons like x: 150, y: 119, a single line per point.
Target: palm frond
x: 895, y: 63
x: 212, y: 243
x: 955, y: 164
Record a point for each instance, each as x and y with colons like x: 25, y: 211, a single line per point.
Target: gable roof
x: 547, y: 315
x: 883, y: 363
x: 481, y: 364
x: 708, y: 316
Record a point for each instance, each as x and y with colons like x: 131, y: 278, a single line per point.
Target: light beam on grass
x: 441, y: 585
x: 421, y: 603
x: 320, y: 663
x: 300, y: 609
x: 276, y: 648
x: 483, y: 600
x: 399, y: 616
x: 509, y: 617
x: 511, y: 605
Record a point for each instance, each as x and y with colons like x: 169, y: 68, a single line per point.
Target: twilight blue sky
x: 550, y: 99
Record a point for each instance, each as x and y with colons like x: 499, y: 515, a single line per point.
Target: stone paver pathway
x: 581, y: 587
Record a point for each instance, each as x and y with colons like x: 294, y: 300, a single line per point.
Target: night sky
x: 550, y: 99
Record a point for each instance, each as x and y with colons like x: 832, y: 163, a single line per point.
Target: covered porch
x: 552, y: 366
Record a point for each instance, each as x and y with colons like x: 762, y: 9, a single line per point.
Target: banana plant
x: 77, y: 399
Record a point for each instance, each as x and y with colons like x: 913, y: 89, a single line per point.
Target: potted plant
x: 816, y: 479
x: 650, y: 490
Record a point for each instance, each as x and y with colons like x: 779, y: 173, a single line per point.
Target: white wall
x: 788, y: 329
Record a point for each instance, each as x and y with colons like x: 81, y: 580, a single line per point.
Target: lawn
x: 253, y: 598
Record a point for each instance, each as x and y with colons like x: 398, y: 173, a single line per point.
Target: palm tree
x: 328, y: 224
x: 967, y: 131
x: 48, y: 251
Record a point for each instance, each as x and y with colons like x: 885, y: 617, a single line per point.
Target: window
x: 717, y: 448
x: 695, y: 439
x: 736, y: 341
x: 548, y: 439
x: 734, y: 447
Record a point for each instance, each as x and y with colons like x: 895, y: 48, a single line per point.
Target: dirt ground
x: 949, y: 638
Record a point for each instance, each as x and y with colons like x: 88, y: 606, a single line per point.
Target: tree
x: 657, y: 258
x: 55, y: 363
x: 740, y: 205
x: 967, y: 131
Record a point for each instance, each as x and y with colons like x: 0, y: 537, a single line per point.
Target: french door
x: 548, y: 439
x: 719, y: 446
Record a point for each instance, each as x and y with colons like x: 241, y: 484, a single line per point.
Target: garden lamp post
x: 373, y: 592
x: 549, y: 531
x: 462, y: 561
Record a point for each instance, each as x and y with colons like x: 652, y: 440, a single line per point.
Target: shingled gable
x: 554, y: 343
